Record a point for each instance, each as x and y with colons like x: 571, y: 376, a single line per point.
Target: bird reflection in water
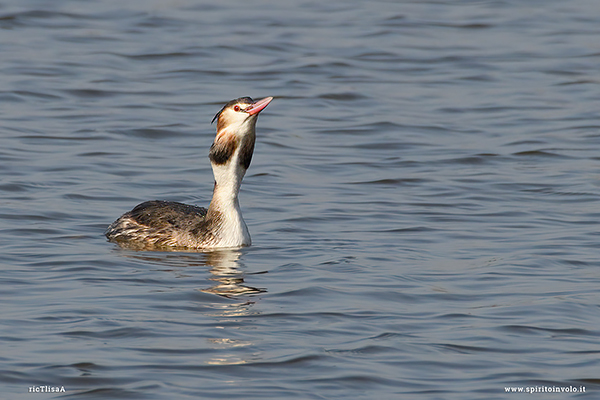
x: 227, y: 275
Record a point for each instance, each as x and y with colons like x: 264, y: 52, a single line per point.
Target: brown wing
x: 159, y: 214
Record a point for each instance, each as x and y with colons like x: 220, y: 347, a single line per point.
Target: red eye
x: 236, y: 108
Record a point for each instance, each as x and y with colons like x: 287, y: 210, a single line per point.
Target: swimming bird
x: 157, y: 224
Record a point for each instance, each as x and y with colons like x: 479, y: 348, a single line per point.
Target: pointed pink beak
x: 258, y: 106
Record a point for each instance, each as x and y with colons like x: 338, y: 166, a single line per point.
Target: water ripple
x: 422, y: 199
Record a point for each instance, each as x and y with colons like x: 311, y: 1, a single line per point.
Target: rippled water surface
x: 423, y: 199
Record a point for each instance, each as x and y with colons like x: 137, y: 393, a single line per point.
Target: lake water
x: 424, y: 199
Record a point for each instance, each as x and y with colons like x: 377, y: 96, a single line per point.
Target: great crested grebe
x: 161, y: 224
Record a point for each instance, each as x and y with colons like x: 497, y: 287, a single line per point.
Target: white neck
x: 231, y: 230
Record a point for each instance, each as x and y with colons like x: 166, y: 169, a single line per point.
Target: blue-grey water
x: 424, y: 199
